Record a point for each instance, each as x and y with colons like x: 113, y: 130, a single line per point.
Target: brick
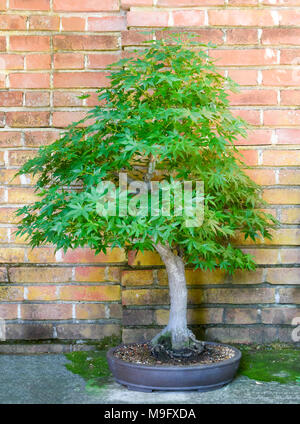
x: 134, y: 38
x: 282, y: 117
x: 240, y: 295
x: 19, y: 119
x: 11, y: 294
x: 29, y: 5
x: 45, y: 293
x: 249, y: 157
x: 3, y: 275
x: 289, y: 57
x: 288, y: 136
x: 289, y: 256
x: 288, y: 236
x: 63, y: 119
x: 147, y: 258
x: 281, y: 77
x: 11, y: 254
x: 194, y: 316
x: 255, y: 137
x: 263, y: 256
x: 11, y: 61
x: 66, y: 98
x: 241, y: 18
x: 40, y: 22
x: 2, y: 44
x: 85, y: 42
x: 195, y: 277
x: 242, y: 2
x: 281, y: 158
x: 3, y: 236
x: 262, y: 176
x: 202, y: 35
x: 137, y: 316
x: 2, y: 4
x: 11, y: 98
x: 290, y: 98
x: 7, y: 216
x: 137, y: 278
x: 12, y: 22
x: 102, y: 60
x: 290, y: 295
x: 254, y: 97
x: 40, y: 138
x: 189, y: 18
x: 68, y: 61
x: 290, y: 216
x: 240, y: 316
x: 242, y: 36
x: 282, y: 196
x: 280, y: 36
x: 2, y: 85
x: 10, y: 139
x: 283, y: 276
x: 115, y: 310
x: 147, y: 19
x: 32, y: 311
x: 40, y: 275
x: 254, y: 334
x: 90, y: 311
x: 97, y: 274
x: 29, y: 331
x: 85, y: 255
x: 86, y: 6
x: 37, y: 99
x: 281, y: 2
x: 22, y: 195
x: 243, y: 76
x: 279, y: 315
x: 41, y: 255
x: 289, y: 17
x: 29, y: 43
x: 184, y: 3
x: 247, y: 277
x: 8, y: 311
x: 138, y: 334
x: 86, y: 331
x: 29, y: 80
x: 145, y: 297
x: 246, y: 57
x: 90, y: 293
x: 73, y: 23
x: 80, y: 79
x: 126, y: 4
x: 38, y: 61
x: 107, y: 23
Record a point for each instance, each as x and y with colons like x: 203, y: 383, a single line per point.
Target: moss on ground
x: 275, y: 362
x: 92, y: 365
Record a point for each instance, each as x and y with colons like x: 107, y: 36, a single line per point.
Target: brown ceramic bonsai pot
x: 146, y: 378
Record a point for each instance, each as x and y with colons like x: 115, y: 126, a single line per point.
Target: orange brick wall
x: 52, y: 51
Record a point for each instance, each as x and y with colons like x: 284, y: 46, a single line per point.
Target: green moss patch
x: 92, y: 365
x: 276, y: 362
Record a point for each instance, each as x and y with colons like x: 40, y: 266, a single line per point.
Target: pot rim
x: 224, y: 363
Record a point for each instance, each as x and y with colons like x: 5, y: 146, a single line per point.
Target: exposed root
x: 166, y: 347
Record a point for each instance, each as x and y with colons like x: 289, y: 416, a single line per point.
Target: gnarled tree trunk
x: 180, y: 336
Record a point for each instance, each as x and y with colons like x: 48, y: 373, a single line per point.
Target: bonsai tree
x: 164, y: 117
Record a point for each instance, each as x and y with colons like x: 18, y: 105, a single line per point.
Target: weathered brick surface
x: 51, y: 52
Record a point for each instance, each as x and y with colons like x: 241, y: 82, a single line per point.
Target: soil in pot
x: 140, y: 353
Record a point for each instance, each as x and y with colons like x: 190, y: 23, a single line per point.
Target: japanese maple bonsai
x: 165, y: 116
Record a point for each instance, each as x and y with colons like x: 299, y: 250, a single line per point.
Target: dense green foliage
x: 167, y: 108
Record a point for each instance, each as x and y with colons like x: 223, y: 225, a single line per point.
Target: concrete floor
x: 44, y: 379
